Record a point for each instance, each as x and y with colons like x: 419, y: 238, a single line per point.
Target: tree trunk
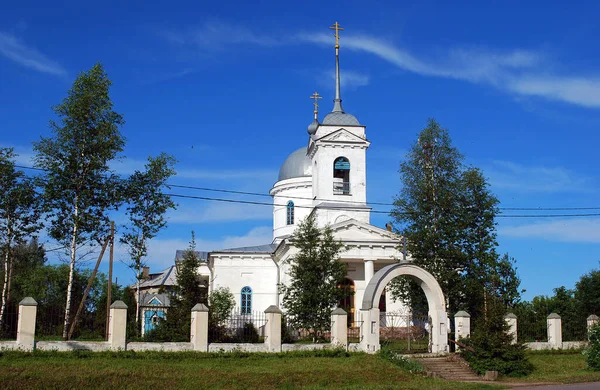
x: 6, y: 279
x: 71, y: 276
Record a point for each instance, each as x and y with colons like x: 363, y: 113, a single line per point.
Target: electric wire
x: 355, y: 208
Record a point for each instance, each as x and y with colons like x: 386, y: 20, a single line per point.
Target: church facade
x: 327, y: 178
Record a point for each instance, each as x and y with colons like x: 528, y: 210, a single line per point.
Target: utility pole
x: 110, y: 269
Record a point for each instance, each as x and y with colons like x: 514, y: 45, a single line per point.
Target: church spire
x: 337, y: 102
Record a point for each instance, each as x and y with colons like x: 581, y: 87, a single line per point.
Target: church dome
x: 296, y: 165
x: 337, y: 118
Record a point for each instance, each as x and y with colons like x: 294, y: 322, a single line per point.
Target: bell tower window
x: 290, y: 213
x: 341, y: 176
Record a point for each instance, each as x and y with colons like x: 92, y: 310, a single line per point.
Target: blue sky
x: 225, y: 88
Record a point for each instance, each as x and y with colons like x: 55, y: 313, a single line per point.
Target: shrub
x: 592, y: 352
x: 493, y: 349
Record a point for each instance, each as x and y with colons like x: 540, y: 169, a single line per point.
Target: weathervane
x: 337, y: 28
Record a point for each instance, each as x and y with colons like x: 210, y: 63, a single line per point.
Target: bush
x: 592, y: 352
x: 403, y: 362
x: 493, y: 347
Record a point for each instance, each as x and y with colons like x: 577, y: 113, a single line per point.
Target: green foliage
x: 187, y: 293
x: 20, y: 210
x: 493, y: 346
x: 146, y: 209
x: 401, y: 361
x: 592, y: 352
x: 532, y: 316
x: 220, y: 302
x: 79, y: 186
x: 446, y: 212
x: 315, y: 274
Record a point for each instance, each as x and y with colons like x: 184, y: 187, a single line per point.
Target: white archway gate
x: 369, y: 311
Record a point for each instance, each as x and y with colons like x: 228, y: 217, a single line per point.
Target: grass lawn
x: 326, y: 369
x: 559, y: 366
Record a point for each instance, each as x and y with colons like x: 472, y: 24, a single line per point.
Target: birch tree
x: 19, y: 216
x: 146, y: 210
x: 79, y: 186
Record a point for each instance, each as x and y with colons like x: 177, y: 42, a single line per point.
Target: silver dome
x: 312, y: 128
x: 340, y: 119
x: 296, y: 165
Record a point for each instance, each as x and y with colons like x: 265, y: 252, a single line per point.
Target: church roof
x: 338, y: 118
x: 296, y: 164
x: 268, y: 248
x: 203, y: 256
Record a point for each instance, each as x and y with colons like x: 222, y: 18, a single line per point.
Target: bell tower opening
x: 341, y: 176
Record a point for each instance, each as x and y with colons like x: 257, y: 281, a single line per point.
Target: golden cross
x: 337, y: 28
x: 315, y: 96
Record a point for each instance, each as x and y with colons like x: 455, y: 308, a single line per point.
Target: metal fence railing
x: 239, y: 327
x: 405, y: 333
x: 8, y: 323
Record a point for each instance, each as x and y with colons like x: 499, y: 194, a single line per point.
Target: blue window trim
x: 290, y: 213
x: 246, y: 300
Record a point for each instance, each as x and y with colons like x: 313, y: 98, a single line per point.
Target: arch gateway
x: 369, y: 311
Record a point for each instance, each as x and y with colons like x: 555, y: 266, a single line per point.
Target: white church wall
x: 299, y: 191
x: 323, y: 181
x: 257, y: 272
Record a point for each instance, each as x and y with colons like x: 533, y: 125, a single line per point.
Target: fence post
x: 273, y: 329
x: 199, y: 328
x: 511, y: 320
x: 592, y: 321
x: 339, y: 328
x: 554, y: 330
x: 26, y: 324
x: 369, y: 331
x: 117, y: 327
x: 462, y: 325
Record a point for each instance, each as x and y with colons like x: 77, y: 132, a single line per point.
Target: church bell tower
x: 337, y: 150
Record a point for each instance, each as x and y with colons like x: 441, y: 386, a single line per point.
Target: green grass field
x: 192, y: 370
x: 558, y: 367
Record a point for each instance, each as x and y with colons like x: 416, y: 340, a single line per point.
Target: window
x: 290, y: 213
x: 341, y: 176
x: 246, y: 303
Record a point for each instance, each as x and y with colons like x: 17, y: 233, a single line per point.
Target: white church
x: 327, y: 178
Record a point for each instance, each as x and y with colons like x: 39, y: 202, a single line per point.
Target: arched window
x: 290, y: 213
x: 246, y: 303
x: 341, y: 176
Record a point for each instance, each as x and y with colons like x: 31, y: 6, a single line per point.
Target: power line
x: 341, y: 201
x: 366, y: 210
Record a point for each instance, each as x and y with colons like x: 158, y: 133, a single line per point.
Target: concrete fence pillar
x: 369, y: 330
x: 511, y: 320
x: 26, y: 324
x: 339, y: 328
x: 592, y: 321
x: 273, y: 329
x: 554, y: 330
x: 117, y: 326
x: 199, y: 328
x: 462, y: 325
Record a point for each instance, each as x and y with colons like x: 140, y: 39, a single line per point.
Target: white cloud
x: 564, y: 230
x: 215, y: 34
x: 522, y: 178
x: 349, y: 79
x: 518, y: 71
x: 214, y: 211
x: 15, y: 50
